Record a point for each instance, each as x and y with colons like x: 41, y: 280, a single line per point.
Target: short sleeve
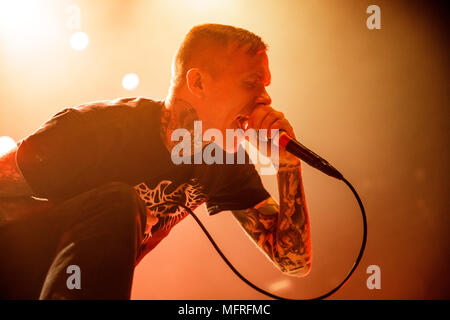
x: 52, y: 157
x: 81, y: 148
x: 240, y: 188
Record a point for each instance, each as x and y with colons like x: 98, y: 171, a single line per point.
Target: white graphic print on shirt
x: 165, y: 216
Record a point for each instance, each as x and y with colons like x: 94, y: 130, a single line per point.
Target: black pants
x: 98, y: 231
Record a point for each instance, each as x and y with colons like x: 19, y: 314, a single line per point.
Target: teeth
x: 242, y: 122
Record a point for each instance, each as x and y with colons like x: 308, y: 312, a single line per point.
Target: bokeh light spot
x: 130, y: 81
x: 6, y: 144
x: 79, y: 41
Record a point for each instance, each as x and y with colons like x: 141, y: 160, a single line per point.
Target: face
x: 239, y: 86
x: 267, y: 221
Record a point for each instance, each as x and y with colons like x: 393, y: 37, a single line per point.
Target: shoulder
x: 120, y: 106
x: 127, y: 113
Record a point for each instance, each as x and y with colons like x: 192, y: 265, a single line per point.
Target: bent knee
x: 118, y: 190
x: 120, y: 194
x: 117, y: 186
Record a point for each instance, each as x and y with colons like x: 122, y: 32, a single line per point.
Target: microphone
x: 300, y: 151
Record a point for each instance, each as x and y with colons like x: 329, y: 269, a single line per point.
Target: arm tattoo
x: 293, y: 232
x: 12, y: 183
x: 15, y: 200
x: 282, y: 231
x: 260, y: 224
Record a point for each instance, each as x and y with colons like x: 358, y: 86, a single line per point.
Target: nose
x: 264, y: 98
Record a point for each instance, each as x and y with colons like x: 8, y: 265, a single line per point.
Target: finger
x: 257, y: 116
x: 282, y: 125
x: 270, y: 119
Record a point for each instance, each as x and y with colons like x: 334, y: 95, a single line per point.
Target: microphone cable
x: 225, y: 259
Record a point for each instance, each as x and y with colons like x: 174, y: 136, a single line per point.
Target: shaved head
x: 208, y: 46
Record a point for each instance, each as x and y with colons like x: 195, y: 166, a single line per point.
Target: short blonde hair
x: 203, y: 36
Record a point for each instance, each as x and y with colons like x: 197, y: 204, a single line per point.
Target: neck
x: 178, y: 113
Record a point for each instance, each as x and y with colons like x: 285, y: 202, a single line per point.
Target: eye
x: 251, y: 84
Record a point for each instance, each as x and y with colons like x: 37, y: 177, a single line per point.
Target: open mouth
x: 243, y: 116
x: 242, y: 121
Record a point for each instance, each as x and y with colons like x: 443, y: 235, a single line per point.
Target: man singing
x: 105, y: 166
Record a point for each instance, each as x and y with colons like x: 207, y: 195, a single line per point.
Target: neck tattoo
x: 180, y: 114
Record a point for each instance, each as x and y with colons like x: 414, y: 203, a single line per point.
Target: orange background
x: 373, y: 102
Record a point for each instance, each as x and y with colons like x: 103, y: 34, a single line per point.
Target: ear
x: 195, y: 82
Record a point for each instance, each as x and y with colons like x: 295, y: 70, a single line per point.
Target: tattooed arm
x: 282, y: 231
x: 15, y: 193
x: 12, y: 182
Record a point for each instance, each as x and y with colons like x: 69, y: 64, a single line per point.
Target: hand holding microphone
x: 265, y: 117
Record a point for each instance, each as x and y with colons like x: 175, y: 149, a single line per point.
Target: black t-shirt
x: 84, y: 147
